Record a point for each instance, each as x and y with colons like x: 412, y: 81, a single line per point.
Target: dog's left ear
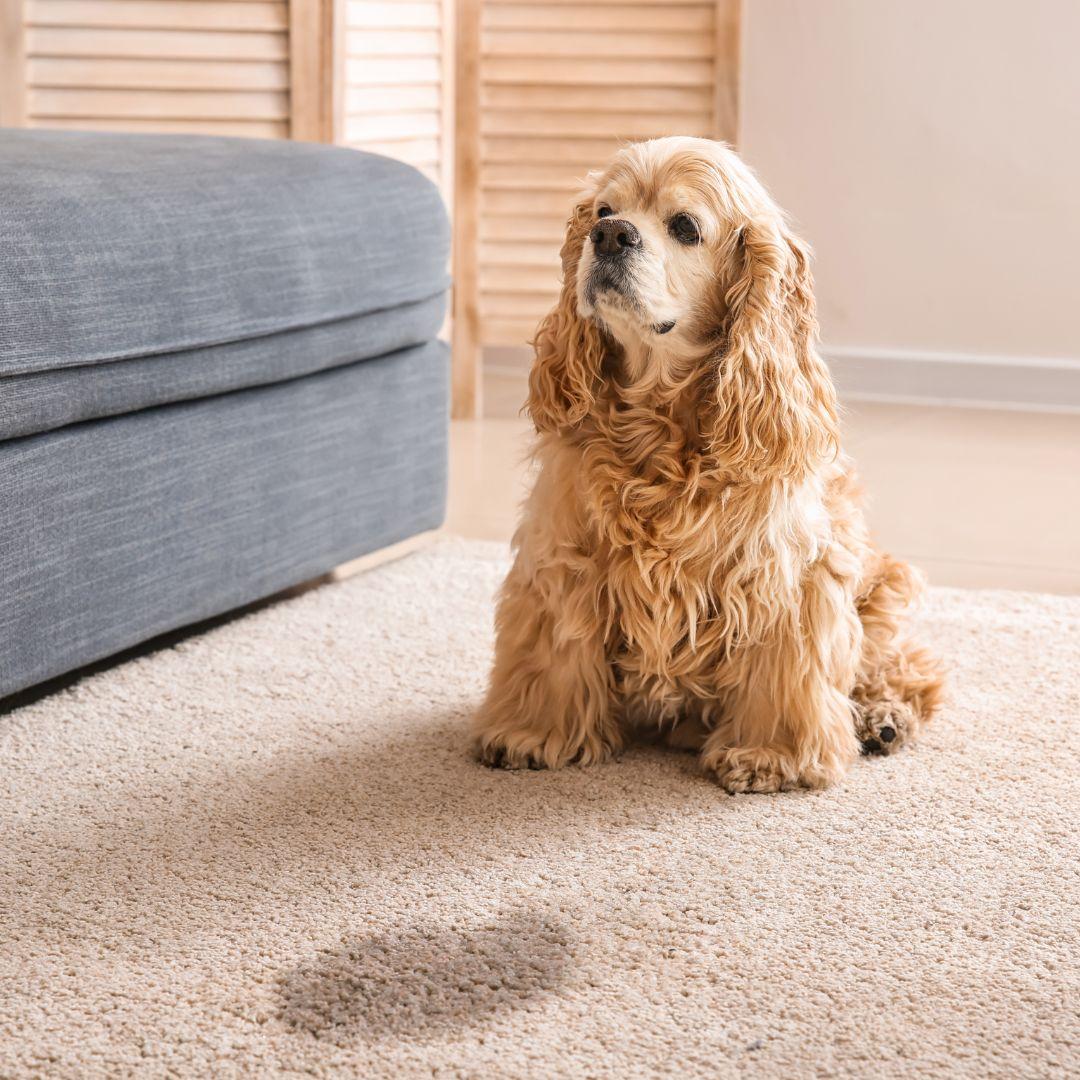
x: 775, y: 412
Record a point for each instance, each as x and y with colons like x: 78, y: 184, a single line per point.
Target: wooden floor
x: 977, y: 498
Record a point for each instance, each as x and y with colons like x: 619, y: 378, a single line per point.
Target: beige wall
x: 930, y: 152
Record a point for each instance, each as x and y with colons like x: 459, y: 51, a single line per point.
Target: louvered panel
x: 218, y: 67
x: 563, y: 84
x: 395, y: 101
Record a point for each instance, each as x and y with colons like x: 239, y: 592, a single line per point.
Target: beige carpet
x: 266, y: 851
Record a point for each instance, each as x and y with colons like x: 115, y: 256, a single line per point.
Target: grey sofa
x: 219, y: 377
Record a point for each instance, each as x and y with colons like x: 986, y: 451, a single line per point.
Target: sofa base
x: 122, y: 529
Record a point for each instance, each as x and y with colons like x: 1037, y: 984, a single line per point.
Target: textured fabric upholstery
x: 218, y: 378
x: 121, y: 529
x: 117, y: 246
x: 43, y: 400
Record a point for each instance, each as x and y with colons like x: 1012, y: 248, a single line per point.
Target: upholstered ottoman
x: 219, y: 377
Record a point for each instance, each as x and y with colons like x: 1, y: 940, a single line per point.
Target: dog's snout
x: 613, y: 236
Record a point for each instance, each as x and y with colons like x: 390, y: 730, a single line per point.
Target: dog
x: 693, y: 560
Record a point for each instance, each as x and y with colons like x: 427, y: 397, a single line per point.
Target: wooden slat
x: 547, y: 229
x: 615, y: 44
x: 587, y: 16
x: 392, y: 127
x: 625, y: 97
x: 369, y: 14
x: 517, y: 279
x: 159, y: 104
x: 589, y: 123
x: 597, y: 71
x: 392, y: 43
x: 585, y: 153
x: 158, y: 14
x: 157, y: 74
x: 176, y: 45
x: 383, y: 71
x: 518, y: 305
x: 510, y: 332
x: 254, y: 129
x: 381, y: 99
x: 507, y: 177
x: 414, y: 151
x: 577, y: 3
x: 516, y: 253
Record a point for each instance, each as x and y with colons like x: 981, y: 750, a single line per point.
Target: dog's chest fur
x: 690, y: 569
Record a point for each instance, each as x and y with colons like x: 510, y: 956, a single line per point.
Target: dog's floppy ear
x: 775, y: 411
x: 570, y: 350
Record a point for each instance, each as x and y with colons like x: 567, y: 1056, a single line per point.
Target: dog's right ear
x: 566, y: 373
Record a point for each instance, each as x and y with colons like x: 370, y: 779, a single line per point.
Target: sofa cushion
x: 124, y: 528
x: 118, y: 247
x: 44, y: 400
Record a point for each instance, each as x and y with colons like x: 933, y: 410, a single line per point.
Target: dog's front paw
x: 524, y: 750
x: 500, y: 756
x: 764, y: 770
x: 761, y: 770
x: 884, y: 726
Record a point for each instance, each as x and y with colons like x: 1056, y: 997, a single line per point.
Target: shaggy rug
x: 266, y: 850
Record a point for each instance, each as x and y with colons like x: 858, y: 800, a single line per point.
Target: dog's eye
x: 684, y: 228
x: 604, y: 211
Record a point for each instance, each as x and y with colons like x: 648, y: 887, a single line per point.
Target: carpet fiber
x: 267, y: 850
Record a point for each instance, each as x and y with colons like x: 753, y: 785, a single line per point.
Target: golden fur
x: 693, y: 558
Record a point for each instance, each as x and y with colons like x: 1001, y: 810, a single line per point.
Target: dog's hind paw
x: 884, y: 726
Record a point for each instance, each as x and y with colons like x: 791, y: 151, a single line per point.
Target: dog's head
x: 678, y: 264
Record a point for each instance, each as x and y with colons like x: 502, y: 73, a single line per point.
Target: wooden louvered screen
x: 505, y: 103
x: 223, y: 67
x: 398, y: 60
x: 213, y: 66
x: 558, y: 85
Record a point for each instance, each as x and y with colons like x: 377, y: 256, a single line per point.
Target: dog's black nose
x: 613, y: 236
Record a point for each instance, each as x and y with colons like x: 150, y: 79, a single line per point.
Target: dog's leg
x: 899, y: 685
x: 789, y: 721
x: 551, y: 696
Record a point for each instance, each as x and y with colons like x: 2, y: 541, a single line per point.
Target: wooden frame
x: 728, y: 61
x: 12, y: 64
x: 316, y: 70
x: 465, y: 382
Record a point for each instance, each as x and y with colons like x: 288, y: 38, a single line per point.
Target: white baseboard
x: 1034, y: 384
x: 1010, y: 382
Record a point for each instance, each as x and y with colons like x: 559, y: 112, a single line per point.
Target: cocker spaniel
x: 693, y: 560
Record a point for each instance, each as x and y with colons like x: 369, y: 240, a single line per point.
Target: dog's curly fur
x: 693, y: 557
